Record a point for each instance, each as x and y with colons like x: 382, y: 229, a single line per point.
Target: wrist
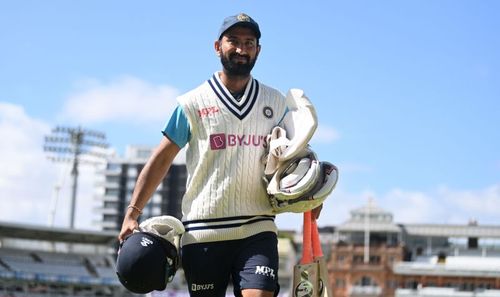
x: 133, y: 211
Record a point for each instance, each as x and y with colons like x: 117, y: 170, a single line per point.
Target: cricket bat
x: 325, y: 290
x: 306, y: 277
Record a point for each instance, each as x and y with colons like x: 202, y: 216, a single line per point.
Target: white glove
x: 278, y: 144
x: 300, y: 123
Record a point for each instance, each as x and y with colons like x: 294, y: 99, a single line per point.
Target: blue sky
x: 407, y: 93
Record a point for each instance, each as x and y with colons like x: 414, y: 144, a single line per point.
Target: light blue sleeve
x: 177, y: 128
x: 280, y: 123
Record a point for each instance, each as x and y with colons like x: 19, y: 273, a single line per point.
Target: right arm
x: 150, y: 177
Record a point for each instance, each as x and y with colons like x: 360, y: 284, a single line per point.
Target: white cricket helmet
x: 296, y: 180
x: 302, y: 184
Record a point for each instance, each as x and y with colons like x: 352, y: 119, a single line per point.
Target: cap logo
x: 243, y: 17
x: 146, y: 241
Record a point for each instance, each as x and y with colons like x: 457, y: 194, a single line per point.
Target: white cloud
x: 481, y: 205
x: 325, y: 134
x: 24, y: 168
x: 412, y: 207
x: 443, y: 205
x: 440, y: 206
x: 127, y: 99
x: 27, y: 178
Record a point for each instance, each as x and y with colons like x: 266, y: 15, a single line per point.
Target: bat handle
x: 307, y: 252
x: 316, y: 243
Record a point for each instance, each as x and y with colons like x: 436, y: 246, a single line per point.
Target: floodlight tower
x: 76, y: 145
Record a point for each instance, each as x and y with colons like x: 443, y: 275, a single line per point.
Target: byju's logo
x: 202, y: 287
x: 220, y: 141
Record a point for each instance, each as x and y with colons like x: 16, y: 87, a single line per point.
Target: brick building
x: 373, y: 256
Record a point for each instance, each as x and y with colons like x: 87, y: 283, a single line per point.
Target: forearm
x: 152, y: 174
x: 150, y: 177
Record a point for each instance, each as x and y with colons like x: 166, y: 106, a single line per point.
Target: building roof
x: 444, y: 292
x: 369, y: 217
x: 376, y: 219
x: 453, y: 266
x: 461, y: 231
x: 352, y: 226
x: 23, y: 231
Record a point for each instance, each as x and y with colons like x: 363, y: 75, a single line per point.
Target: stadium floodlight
x: 77, y: 145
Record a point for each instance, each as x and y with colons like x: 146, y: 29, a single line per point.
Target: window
x: 108, y: 218
x: 411, y: 284
x: 374, y: 259
x: 114, y: 167
x: 392, y: 284
x: 366, y: 281
x: 111, y: 192
x: 132, y: 172
x: 112, y: 179
x: 357, y: 259
x: 110, y: 204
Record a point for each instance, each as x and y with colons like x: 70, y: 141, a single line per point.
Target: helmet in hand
x: 146, y: 262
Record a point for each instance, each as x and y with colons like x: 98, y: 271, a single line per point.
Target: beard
x: 237, y: 69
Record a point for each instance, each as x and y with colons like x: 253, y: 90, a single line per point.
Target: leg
x: 207, y: 268
x: 255, y: 269
x: 256, y: 293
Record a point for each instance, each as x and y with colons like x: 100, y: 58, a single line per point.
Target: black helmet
x: 146, y: 262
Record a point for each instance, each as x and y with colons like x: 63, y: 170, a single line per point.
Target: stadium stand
x: 40, y: 262
x: 37, y: 261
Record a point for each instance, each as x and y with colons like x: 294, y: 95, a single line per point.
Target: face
x: 238, y: 50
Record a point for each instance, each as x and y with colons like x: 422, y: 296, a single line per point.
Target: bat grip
x: 316, y: 243
x: 307, y: 252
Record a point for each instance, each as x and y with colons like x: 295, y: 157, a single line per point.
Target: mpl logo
x: 207, y: 111
x: 221, y: 141
x: 264, y: 270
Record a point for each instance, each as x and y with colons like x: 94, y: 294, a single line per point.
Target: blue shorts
x: 251, y: 263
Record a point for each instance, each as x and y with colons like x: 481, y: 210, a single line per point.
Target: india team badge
x: 268, y: 112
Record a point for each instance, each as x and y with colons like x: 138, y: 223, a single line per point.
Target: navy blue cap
x: 143, y: 262
x: 240, y: 20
